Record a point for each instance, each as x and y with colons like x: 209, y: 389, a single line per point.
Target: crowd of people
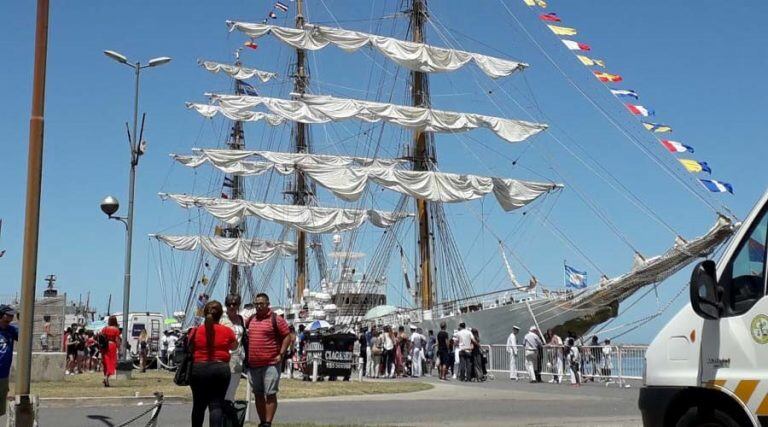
x: 391, y: 352
x: 590, y: 362
x: 255, y: 340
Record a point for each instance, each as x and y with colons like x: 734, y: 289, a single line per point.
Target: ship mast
x: 421, y: 162
x: 301, y: 145
x: 234, y: 182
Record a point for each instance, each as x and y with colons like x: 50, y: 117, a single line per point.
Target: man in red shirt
x: 268, y: 339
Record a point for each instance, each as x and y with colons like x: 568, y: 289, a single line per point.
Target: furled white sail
x: 223, y: 157
x: 235, y: 251
x: 307, y: 218
x: 237, y: 167
x: 237, y: 71
x: 414, y: 56
x: 349, y: 182
x: 323, y: 109
x: 207, y: 110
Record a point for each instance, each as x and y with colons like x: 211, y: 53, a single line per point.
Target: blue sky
x: 698, y: 64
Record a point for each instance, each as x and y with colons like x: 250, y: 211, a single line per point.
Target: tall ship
x: 338, y: 207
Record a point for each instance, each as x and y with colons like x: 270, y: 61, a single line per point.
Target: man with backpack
x: 268, y: 338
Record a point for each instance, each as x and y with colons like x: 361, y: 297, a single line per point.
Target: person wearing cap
x: 8, y: 334
x: 533, y: 345
x: 512, y: 351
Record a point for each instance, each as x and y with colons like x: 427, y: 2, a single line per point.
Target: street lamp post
x: 110, y: 205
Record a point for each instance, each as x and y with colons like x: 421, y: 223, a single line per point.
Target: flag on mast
x: 627, y: 93
x: 676, y: 147
x: 639, y: 110
x: 717, y: 186
x: 695, y: 166
x: 657, y: 127
x: 575, y: 278
x: 550, y: 17
x: 281, y: 6
x: 572, y: 45
x: 590, y: 62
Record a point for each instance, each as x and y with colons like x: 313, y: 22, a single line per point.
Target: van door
x: 734, y: 352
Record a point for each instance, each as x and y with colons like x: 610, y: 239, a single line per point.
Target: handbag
x: 184, y: 371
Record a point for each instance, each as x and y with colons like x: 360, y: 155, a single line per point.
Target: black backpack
x: 103, y: 342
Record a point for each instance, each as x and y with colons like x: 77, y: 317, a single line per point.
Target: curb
x: 66, y: 402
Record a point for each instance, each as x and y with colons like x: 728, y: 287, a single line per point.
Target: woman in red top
x: 109, y: 355
x: 210, y: 368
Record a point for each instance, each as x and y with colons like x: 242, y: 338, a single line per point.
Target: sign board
x: 338, y: 354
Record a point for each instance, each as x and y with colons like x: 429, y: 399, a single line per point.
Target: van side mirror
x: 706, y: 295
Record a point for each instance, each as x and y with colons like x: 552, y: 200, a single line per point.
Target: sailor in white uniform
x: 512, y: 351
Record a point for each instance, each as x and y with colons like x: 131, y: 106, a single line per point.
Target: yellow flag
x: 656, y: 127
x: 691, y: 165
x: 562, y: 31
x: 590, y: 62
x: 540, y: 3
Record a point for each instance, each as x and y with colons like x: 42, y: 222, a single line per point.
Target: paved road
x: 494, y: 403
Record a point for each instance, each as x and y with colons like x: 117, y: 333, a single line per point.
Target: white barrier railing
x: 611, y: 364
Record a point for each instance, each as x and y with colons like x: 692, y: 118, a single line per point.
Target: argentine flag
x: 575, y: 278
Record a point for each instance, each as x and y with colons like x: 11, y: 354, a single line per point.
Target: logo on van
x: 759, y: 329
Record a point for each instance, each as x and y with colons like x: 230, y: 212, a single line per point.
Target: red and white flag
x: 572, y: 45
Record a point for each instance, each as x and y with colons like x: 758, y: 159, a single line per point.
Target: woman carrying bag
x: 210, y: 345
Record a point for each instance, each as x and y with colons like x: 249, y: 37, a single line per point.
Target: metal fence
x: 612, y: 364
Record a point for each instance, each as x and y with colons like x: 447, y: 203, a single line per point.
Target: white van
x: 709, y: 364
x: 152, y: 322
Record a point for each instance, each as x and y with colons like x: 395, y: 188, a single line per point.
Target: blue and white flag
x: 625, y: 93
x: 281, y: 6
x: 575, y: 278
x: 717, y: 186
x: 248, y: 89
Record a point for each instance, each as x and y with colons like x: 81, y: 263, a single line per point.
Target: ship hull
x: 495, y: 324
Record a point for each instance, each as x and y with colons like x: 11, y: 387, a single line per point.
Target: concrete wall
x: 45, y: 366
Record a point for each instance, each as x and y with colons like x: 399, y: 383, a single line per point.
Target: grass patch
x: 89, y: 385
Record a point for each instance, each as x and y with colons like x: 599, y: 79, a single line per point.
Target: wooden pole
x: 421, y: 162
x: 24, y: 410
x: 300, y: 195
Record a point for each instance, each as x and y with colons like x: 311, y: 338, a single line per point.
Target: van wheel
x: 693, y: 417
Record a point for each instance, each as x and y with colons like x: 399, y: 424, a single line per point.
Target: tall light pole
x: 109, y: 207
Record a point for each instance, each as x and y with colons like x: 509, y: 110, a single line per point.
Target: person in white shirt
x: 556, y: 347
x: 465, y: 339
x: 418, y: 341
x: 236, y: 322
x: 607, y: 360
x: 574, y: 361
x: 512, y: 351
x: 456, y: 359
x: 389, y: 353
x: 533, y: 345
